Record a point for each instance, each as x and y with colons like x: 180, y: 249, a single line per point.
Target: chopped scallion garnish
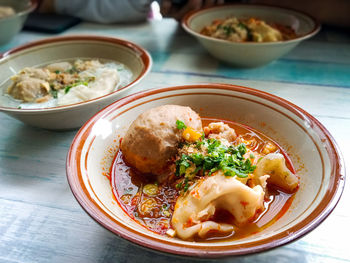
x: 180, y: 125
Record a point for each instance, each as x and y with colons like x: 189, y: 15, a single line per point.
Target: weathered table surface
x: 40, y: 221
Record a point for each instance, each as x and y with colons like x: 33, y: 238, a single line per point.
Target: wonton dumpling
x: 263, y: 32
x: 104, y: 83
x: 36, y: 73
x: 274, y: 165
x: 193, y: 211
x: 220, y: 130
x: 59, y: 66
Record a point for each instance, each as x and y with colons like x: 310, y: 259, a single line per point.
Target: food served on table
x: 181, y: 179
x: 6, y: 11
x: 248, y: 30
x: 65, y: 82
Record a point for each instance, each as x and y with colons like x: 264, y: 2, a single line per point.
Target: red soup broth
x: 155, y: 212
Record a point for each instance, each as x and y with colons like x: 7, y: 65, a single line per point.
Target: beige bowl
x: 42, y: 52
x: 247, y: 54
x: 10, y: 26
x: 312, y: 150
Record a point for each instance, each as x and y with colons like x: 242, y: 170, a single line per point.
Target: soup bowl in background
x: 49, y: 50
x: 11, y: 25
x: 311, y: 148
x: 249, y: 54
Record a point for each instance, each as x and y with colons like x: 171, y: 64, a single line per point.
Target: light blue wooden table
x: 40, y: 221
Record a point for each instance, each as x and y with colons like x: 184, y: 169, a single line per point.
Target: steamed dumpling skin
x: 219, y: 131
x: 274, y: 165
x: 193, y: 211
x: 105, y: 82
x: 59, y: 66
x: 152, y: 138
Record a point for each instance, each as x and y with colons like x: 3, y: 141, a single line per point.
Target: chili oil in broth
x: 154, y: 211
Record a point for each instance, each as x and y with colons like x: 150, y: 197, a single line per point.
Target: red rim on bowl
x: 319, y: 214
x: 187, y: 18
x: 146, y: 59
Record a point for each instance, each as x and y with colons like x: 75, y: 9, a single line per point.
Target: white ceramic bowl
x: 312, y: 150
x: 249, y: 54
x: 42, y: 52
x: 10, y: 26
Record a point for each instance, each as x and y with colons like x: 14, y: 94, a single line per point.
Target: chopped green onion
x: 150, y: 189
x: 67, y: 88
x: 219, y: 157
x: 54, y: 93
x: 180, y: 125
x: 72, y: 70
x: 186, y: 187
x: 228, y: 30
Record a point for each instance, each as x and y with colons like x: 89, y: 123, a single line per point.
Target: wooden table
x: 40, y: 221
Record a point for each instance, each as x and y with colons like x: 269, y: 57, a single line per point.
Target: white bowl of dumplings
x: 59, y: 83
x: 310, y: 147
x: 249, y: 54
x: 13, y: 14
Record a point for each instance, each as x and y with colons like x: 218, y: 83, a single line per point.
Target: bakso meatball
x: 152, y: 138
x: 30, y: 90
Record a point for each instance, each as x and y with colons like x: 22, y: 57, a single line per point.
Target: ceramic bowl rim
x: 32, y: 5
x: 319, y: 214
x: 185, y: 22
x: 144, y: 55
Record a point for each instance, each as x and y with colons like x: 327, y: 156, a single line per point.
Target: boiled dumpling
x: 105, y: 82
x: 194, y: 210
x: 262, y: 32
x: 274, y: 165
x: 36, y: 73
x: 219, y: 131
x: 59, y: 66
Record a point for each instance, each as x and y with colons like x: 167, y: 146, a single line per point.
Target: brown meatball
x: 29, y: 89
x: 152, y: 138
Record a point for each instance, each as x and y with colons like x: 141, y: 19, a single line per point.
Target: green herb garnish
x: 180, y: 125
x: 228, y: 30
x: 72, y: 70
x: 249, y: 31
x: 67, y: 88
x: 179, y: 185
x: 243, y: 26
x: 57, y: 72
x: 219, y: 157
x: 186, y: 186
x: 54, y: 93
x: 182, y: 164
